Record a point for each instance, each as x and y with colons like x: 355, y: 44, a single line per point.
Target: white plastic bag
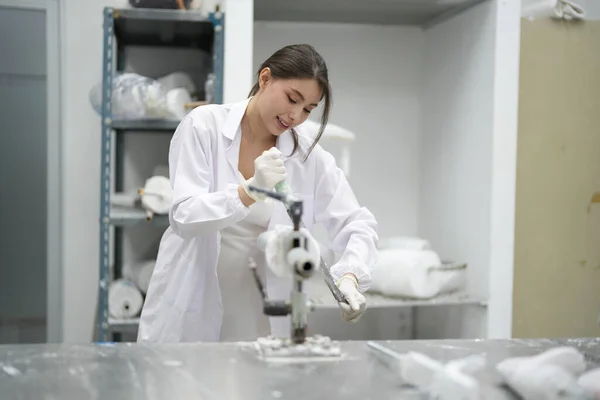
x: 133, y: 97
x: 176, y: 80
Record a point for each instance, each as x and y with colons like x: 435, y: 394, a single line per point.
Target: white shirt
x: 184, y: 300
x: 243, y: 317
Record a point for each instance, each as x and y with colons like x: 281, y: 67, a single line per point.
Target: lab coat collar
x: 234, y: 119
x: 285, y: 142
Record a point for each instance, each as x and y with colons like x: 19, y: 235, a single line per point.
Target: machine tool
x: 302, y: 266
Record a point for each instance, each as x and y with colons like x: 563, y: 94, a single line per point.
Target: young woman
x: 202, y: 288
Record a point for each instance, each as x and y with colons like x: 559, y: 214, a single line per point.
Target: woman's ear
x: 264, y: 78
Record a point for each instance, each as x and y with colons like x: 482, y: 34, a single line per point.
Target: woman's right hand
x: 268, y: 172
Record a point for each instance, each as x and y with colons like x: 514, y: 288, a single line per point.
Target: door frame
x: 54, y: 305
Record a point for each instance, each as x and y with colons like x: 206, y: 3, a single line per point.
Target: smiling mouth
x: 283, y: 124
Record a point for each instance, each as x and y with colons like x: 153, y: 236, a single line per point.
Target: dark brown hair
x: 300, y: 61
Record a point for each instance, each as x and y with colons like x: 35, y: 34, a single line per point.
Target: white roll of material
x: 408, y: 267
x: 124, y: 299
x: 157, y: 195
x: 275, y: 244
x: 140, y: 273
x: 405, y: 273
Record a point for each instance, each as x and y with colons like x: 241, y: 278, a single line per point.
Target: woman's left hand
x: 357, y: 304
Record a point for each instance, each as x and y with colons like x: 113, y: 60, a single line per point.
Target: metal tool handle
x: 261, y: 288
x: 335, y: 290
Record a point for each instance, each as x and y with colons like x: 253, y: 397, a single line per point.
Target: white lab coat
x: 183, y: 302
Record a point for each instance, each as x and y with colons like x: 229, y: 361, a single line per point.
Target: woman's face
x: 286, y: 103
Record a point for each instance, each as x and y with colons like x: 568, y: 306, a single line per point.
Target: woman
x: 202, y: 288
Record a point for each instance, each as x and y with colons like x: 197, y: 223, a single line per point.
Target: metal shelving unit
x: 146, y: 28
x: 324, y: 301
x: 379, y: 301
x: 145, y: 125
x: 120, y: 217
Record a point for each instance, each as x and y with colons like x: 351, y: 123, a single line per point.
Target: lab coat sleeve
x: 352, y: 229
x: 195, y: 209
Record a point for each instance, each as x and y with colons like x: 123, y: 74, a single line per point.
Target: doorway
x: 30, y: 277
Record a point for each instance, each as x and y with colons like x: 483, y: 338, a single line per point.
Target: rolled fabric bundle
x: 124, y: 299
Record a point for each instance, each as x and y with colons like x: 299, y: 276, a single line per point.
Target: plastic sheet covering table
x: 232, y: 371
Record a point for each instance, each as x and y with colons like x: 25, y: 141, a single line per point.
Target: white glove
x: 268, y: 172
x: 357, y: 304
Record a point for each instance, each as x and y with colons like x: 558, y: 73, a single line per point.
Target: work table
x: 207, y: 371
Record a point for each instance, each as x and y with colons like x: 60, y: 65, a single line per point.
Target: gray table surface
x: 232, y: 371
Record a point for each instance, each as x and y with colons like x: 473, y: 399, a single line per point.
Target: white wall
x: 470, y: 97
x: 239, y: 39
x: 374, y: 72
x: 456, y: 148
x: 81, y: 69
x: 507, y: 47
